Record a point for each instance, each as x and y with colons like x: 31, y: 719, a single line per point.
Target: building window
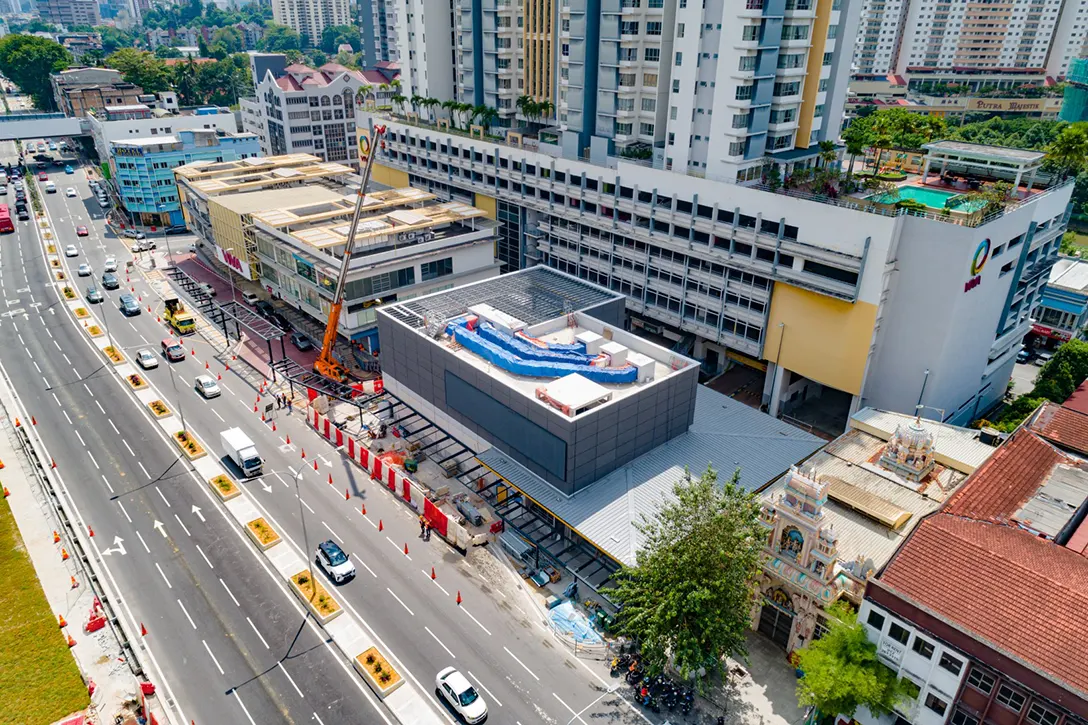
x: 646, y: 129
x: 623, y: 129
x: 649, y: 80
x: 1010, y: 698
x: 959, y: 717
x: 820, y: 629
x: 736, y: 148
x: 818, y: 112
x: 787, y: 88
x: 679, y: 58
x: 794, y: 32
x: 785, y: 115
x: 875, y: 620
x: 832, y: 32
x: 750, y: 32
x: 829, y: 58
x: 1039, y: 715
x: 744, y: 93
x: 566, y: 50
x: 936, y: 704
x: 652, y: 55
x: 740, y: 120
x: 950, y: 663
x: 791, y: 60
x: 629, y: 27
x: 748, y: 62
x: 822, y: 86
x: 922, y: 647
x: 436, y: 269
x: 675, y: 86
x: 679, y: 30
x: 649, y: 104
x: 627, y: 80
x: 653, y: 28
x: 899, y: 634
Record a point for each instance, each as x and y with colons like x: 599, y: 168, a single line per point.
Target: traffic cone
x: 149, y: 308
x: 143, y: 630
x: 254, y: 407
x: 90, y: 530
x: 75, y: 584
x: 347, y: 496
x: 315, y: 464
x: 6, y: 492
x: 193, y: 351
x: 17, y: 423
x: 458, y: 597
x: 56, y: 537
x: 262, y: 418
x: 52, y: 462
x: 71, y: 641
x: 432, y: 573
x: 273, y: 426
x: 406, y: 548
x: 33, y: 420
x: 364, y: 509
x: 303, y: 452
x: 380, y: 527
x: 330, y: 479
x: 206, y: 365
x: 64, y: 554
x: 61, y: 621
x: 219, y: 376
x: 226, y: 366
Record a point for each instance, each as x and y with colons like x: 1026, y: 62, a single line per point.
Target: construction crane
x: 327, y: 365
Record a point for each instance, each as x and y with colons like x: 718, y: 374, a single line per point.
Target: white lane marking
x: 21, y: 340
x: 277, y: 475
x: 145, y: 340
x: 187, y: 614
x: 482, y: 687
x: 107, y: 482
x: 88, y: 390
x: 182, y: 525
x: 206, y: 560
x: 100, y: 407
x: 124, y: 512
x: 217, y: 415
x: 130, y: 451
x: 398, y: 548
x: 224, y: 386
x: 280, y: 665
x: 66, y: 416
x: 57, y: 399
x: 236, y: 697
x: 520, y: 663
x: 57, y: 344
x: 462, y: 608
x: 436, y: 639
x: 36, y: 365
x: 256, y: 632
x: 143, y: 542
x: 82, y: 442
x: 319, y: 722
x: 402, y: 603
x: 335, y: 535
x: 167, y: 580
x: 94, y: 461
x: 209, y: 649
x: 435, y: 582
x: 306, y: 505
x: 163, y: 497
x: 365, y: 566
x: 133, y: 327
x: 114, y: 428
x: 141, y: 465
x: 66, y: 359
x: 577, y: 715
x: 49, y: 332
x: 229, y: 592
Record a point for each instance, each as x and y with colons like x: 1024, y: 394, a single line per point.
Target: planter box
x: 95, y: 331
x: 136, y: 381
x: 184, y: 440
x: 61, y: 277
x: 159, y: 409
x: 51, y: 249
x: 81, y: 313
x: 262, y: 534
x: 381, y: 689
x: 55, y: 263
x: 69, y: 293
x: 114, y: 355
x: 224, y: 487
x: 323, y: 607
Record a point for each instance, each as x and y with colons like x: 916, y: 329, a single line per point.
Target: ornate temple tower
x: 910, y: 451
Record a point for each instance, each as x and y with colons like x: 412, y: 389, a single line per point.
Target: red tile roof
x: 1062, y: 425
x: 1078, y: 401
x: 1020, y: 595
x: 288, y: 83
x: 1008, y: 478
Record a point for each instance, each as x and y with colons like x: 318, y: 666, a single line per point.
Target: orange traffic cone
x: 347, y: 496
x: 262, y: 418
x: 226, y: 366
x: 254, y: 407
x: 71, y: 641
x: 406, y: 548
x: 273, y: 426
x: 52, y: 462
x: 364, y: 509
x: 380, y: 527
x: 17, y: 423
x: 33, y: 420
x: 6, y: 492
x: 315, y: 464
x: 288, y: 439
x: 303, y: 452
x: 75, y: 584
x: 219, y: 376
x: 56, y: 537
x: 458, y: 597
x: 330, y: 479
x: 193, y: 351
x: 90, y: 530
x: 64, y: 554
x: 61, y: 621
x: 143, y: 630
x: 206, y: 367
x: 432, y: 573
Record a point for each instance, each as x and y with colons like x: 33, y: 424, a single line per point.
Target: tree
x: 1056, y: 381
x: 113, y: 39
x: 280, y: 39
x: 1066, y: 154
x: 842, y: 672
x: 202, y: 48
x: 335, y: 35
x: 167, y: 51
x: 33, y: 26
x: 688, y: 598
x: 140, y: 68
x: 828, y: 153
x: 397, y: 100
x: 27, y: 61
x: 856, y: 143
x: 450, y: 107
x: 227, y: 41
x: 185, y: 82
x: 486, y: 116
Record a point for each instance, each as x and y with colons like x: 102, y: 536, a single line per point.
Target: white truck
x: 240, y: 449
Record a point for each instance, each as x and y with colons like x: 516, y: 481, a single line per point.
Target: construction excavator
x: 326, y: 364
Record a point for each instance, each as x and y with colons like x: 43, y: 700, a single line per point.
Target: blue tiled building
x: 143, y: 168
x: 1063, y: 307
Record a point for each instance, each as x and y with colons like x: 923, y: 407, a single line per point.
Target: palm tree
x: 526, y: 106
x: 431, y: 104
x: 397, y: 100
x: 416, y: 101
x: 1066, y: 153
x: 544, y: 110
x: 828, y: 152
x: 465, y: 109
x: 487, y: 116
x: 365, y: 92
x: 450, y: 107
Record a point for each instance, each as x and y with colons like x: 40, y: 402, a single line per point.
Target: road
x: 495, y: 636
x: 232, y: 643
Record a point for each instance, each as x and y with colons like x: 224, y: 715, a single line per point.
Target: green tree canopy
x: 334, y: 35
x: 227, y: 41
x: 167, y: 51
x: 114, y: 39
x: 1056, y: 381
x: 33, y: 26
x: 842, y: 672
x: 27, y: 61
x: 688, y: 598
x: 1067, y: 154
x: 194, y: 13
x: 280, y: 39
x: 141, y: 68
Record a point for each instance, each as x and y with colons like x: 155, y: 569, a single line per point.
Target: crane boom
x: 326, y: 364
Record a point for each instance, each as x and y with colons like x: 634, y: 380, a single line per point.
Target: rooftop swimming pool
x: 933, y: 198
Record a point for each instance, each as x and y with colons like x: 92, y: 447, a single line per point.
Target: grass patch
x: 263, y: 534
x: 315, y: 594
x: 69, y: 293
x: 81, y: 313
x: 224, y: 487
x: 95, y: 331
x: 51, y: 248
x: 114, y: 355
x: 158, y: 408
x: 41, y: 682
x: 188, y: 444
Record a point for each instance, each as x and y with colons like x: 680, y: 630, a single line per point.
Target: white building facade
x: 122, y: 123
x: 312, y: 16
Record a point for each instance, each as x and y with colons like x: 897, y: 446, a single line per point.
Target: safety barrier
x: 383, y: 472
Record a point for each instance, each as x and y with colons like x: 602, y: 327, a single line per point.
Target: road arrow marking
x: 158, y: 525
x: 265, y: 486
x: 118, y: 547
x: 196, y: 510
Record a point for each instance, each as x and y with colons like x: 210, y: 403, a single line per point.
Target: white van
x: 50, y: 187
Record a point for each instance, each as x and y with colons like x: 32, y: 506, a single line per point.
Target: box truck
x: 240, y: 449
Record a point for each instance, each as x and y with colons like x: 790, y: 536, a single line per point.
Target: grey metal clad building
x: 565, y: 428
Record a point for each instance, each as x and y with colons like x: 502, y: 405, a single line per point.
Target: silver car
x: 147, y: 359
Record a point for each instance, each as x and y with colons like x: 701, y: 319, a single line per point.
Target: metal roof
x: 1069, y: 274
x: 956, y: 447
x: 725, y: 434
x: 985, y: 152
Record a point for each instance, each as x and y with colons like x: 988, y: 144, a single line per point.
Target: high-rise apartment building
x: 70, y: 12
x: 378, y: 27
x: 901, y: 36
x: 424, y: 39
x: 708, y: 87
x: 311, y: 17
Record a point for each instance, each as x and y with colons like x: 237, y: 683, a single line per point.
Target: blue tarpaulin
x: 570, y: 621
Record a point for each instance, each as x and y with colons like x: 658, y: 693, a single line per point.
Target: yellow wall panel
x: 824, y: 339
x: 389, y: 176
x: 487, y: 204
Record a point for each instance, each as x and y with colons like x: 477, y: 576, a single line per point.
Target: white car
x: 70, y: 191
x: 111, y: 265
x: 84, y: 270
x: 71, y: 251
x: 334, y: 561
x: 206, y: 386
x: 147, y: 359
x: 459, y: 692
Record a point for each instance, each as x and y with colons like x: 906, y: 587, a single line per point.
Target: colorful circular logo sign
x: 982, y: 254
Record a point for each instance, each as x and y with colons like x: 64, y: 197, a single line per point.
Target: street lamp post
x: 297, y: 473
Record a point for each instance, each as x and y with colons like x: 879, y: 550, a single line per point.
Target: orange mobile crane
x: 327, y: 365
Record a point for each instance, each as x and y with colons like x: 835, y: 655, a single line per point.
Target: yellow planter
x: 262, y: 533
x: 81, y: 313
x: 189, y: 445
x: 95, y: 331
x: 136, y: 381
x: 114, y: 355
x: 320, y: 603
x: 224, y: 487
x: 377, y: 672
x: 159, y: 409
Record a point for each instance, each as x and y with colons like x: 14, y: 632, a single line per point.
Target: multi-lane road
x: 229, y: 641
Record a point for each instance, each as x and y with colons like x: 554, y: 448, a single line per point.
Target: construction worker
x: 422, y: 526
